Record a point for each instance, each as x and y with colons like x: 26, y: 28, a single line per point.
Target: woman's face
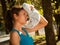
x: 22, y: 17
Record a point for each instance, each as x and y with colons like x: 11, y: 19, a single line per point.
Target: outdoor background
x: 50, y: 9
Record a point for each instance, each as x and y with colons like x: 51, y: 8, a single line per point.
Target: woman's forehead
x: 24, y: 11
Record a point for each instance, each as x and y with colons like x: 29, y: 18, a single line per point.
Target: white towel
x: 34, y: 16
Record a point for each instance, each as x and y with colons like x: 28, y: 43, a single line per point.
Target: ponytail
x: 9, y: 23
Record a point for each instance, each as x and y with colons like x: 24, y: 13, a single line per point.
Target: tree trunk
x: 59, y: 34
x: 47, y: 10
x: 57, y: 19
x: 4, y: 8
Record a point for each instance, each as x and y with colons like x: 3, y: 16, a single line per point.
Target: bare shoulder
x: 14, y: 38
x: 14, y: 34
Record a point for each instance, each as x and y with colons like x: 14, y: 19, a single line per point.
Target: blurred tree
x: 57, y: 16
x: 4, y: 8
x: 47, y: 11
x: 36, y: 3
x: 23, y: 1
x: 57, y: 19
x: 11, y: 3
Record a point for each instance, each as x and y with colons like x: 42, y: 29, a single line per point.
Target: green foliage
x: 41, y: 11
x: 28, y: 1
x: 56, y: 6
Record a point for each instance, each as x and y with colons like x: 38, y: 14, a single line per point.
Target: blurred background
x: 50, y: 9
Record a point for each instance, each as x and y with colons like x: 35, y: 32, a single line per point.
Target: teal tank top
x: 24, y: 39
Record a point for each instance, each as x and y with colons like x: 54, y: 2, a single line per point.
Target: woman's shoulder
x: 14, y: 38
x: 14, y: 34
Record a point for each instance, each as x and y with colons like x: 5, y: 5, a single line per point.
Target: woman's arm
x: 43, y: 22
x: 14, y: 38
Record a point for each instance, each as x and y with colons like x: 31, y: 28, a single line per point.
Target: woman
x: 16, y: 18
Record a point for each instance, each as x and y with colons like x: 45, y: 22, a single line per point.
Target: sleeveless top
x: 24, y: 39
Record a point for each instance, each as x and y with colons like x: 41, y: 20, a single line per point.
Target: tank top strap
x: 17, y: 31
x: 25, y: 31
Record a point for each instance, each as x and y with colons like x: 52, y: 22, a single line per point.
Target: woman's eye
x: 24, y: 13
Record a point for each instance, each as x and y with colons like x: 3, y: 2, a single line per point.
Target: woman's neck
x: 17, y: 26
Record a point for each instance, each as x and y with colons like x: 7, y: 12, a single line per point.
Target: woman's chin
x: 23, y: 23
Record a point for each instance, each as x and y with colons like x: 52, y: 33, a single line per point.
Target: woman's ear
x: 15, y: 16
